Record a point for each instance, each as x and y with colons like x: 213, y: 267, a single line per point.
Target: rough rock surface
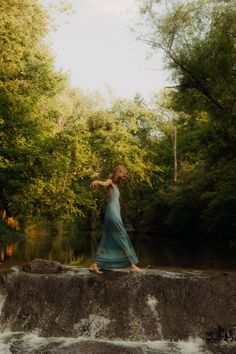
x: 149, y: 306
x: 42, y: 266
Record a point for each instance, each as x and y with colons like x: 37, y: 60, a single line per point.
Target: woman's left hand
x: 94, y: 184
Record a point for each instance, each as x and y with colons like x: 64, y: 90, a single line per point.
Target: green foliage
x: 27, y: 80
x: 55, y: 140
x: 116, y: 137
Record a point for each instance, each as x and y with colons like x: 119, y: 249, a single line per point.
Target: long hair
x: 119, y: 174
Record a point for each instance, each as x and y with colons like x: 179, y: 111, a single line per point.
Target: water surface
x: 72, y: 246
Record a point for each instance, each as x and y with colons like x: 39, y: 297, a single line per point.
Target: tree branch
x: 168, y: 49
x: 178, y: 86
x: 200, y: 85
x: 232, y: 106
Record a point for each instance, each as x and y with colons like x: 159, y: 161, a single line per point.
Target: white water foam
x: 92, y: 325
x: 30, y: 342
x: 175, y: 274
x: 4, y: 341
x: 152, y: 303
x: 191, y: 346
x: 2, y: 300
x: 15, y: 269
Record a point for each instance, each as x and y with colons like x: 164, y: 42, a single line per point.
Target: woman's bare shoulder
x: 109, y: 182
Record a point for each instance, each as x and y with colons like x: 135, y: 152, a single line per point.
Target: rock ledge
x: 42, y: 266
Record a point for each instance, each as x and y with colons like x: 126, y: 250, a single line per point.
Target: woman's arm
x: 106, y: 183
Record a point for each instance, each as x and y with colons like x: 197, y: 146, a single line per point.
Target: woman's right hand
x: 103, y: 201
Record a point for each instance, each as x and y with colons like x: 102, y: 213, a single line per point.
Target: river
x: 77, y: 247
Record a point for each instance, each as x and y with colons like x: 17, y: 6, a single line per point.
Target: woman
x: 115, y: 249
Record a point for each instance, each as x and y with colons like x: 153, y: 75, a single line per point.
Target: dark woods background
x: 179, y: 148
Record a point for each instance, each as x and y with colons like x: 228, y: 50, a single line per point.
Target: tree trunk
x: 174, y: 142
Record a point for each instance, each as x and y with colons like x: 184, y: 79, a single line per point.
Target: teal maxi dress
x: 115, y: 249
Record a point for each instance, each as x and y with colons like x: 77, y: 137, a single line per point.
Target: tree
x: 26, y: 75
x: 198, y: 39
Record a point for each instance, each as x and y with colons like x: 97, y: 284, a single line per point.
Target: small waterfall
x: 156, y: 312
x: 5, y: 334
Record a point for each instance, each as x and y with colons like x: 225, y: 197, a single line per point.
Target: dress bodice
x: 115, y: 195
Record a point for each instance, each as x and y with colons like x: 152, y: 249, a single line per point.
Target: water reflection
x: 8, y: 251
x: 69, y: 245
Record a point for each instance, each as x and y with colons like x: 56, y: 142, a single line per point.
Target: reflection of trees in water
x: 63, y: 242
x: 9, y: 241
x: 59, y: 241
x: 7, y: 251
x: 69, y: 245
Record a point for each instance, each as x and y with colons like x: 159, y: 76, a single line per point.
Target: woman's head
x: 119, y: 175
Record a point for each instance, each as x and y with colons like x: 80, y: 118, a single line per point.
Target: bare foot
x: 133, y: 268
x: 94, y: 268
